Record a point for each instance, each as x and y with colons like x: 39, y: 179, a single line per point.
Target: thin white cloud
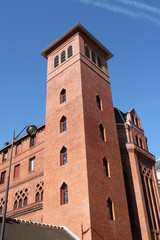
x: 140, y: 5
x: 122, y: 10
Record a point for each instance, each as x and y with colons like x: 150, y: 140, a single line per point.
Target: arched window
x: 63, y: 56
x: 15, y: 205
x: 63, y: 156
x: 64, y: 193
x: 106, y: 167
x: 93, y: 57
x: 87, y: 52
x: 70, y: 51
x: 37, y: 197
x: 110, y: 209
x: 20, y: 203
x: 102, y: 132
x: 99, y: 62
x: 99, y: 102
x: 25, y: 202
x: 63, y: 124
x: 56, y: 61
x: 62, y: 96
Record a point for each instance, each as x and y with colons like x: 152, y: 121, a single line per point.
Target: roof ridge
x: 36, y: 223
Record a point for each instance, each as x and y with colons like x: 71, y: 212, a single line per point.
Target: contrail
x: 122, y: 10
x: 140, y: 5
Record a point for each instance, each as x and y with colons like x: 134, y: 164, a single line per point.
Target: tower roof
x: 77, y: 28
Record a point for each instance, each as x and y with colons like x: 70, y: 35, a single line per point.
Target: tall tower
x: 83, y: 179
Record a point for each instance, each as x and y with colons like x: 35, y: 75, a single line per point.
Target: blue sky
x: 129, y: 29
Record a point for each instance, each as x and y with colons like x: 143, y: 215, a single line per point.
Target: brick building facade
x: 77, y: 171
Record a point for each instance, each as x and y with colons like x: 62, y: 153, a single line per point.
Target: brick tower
x: 84, y: 187
x: 140, y: 177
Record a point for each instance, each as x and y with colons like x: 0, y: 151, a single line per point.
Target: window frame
x: 63, y: 96
x: 4, y: 157
x: 93, y: 57
x: 63, y: 156
x: 31, y: 167
x: 18, y: 148
x: 87, y: 51
x: 16, y: 175
x: 3, y: 176
x: 63, y: 124
x: 63, y: 56
x: 70, y: 51
x: 64, y: 194
x: 56, y: 61
x: 33, y: 140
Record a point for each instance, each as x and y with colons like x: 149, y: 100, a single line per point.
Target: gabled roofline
x: 77, y: 28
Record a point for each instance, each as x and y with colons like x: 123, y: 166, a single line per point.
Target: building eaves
x: 77, y: 28
x: 16, y: 229
x: 20, y: 138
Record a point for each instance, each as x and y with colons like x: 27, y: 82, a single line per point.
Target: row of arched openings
x: 91, y: 55
x: 63, y: 56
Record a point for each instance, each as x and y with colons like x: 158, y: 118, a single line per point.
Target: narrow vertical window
x: 20, y: 203
x: 4, y: 158
x: 106, y: 167
x: 136, y: 121
x: 25, y: 202
x: 102, y: 132
x: 87, y: 52
x: 31, y: 164
x: 33, y: 141
x: 93, y: 57
x: 3, y: 174
x: 18, y: 148
x: 99, y: 102
x: 16, y: 171
x: 37, y: 197
x: 56, y: 61
x: 137, y: 140
x: 63, y: 56
x: 110, y: 210
x: 64, y: 194
x: 132, y: 117
x: 63, y: 156
x: 62, y: 96
x: 0, y: 210
x: 141, y: 144
x: 70, y: 51
x: 42, y: 196
x: 15, y: 205
x: 99, y: 62
x: 63, y: 124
